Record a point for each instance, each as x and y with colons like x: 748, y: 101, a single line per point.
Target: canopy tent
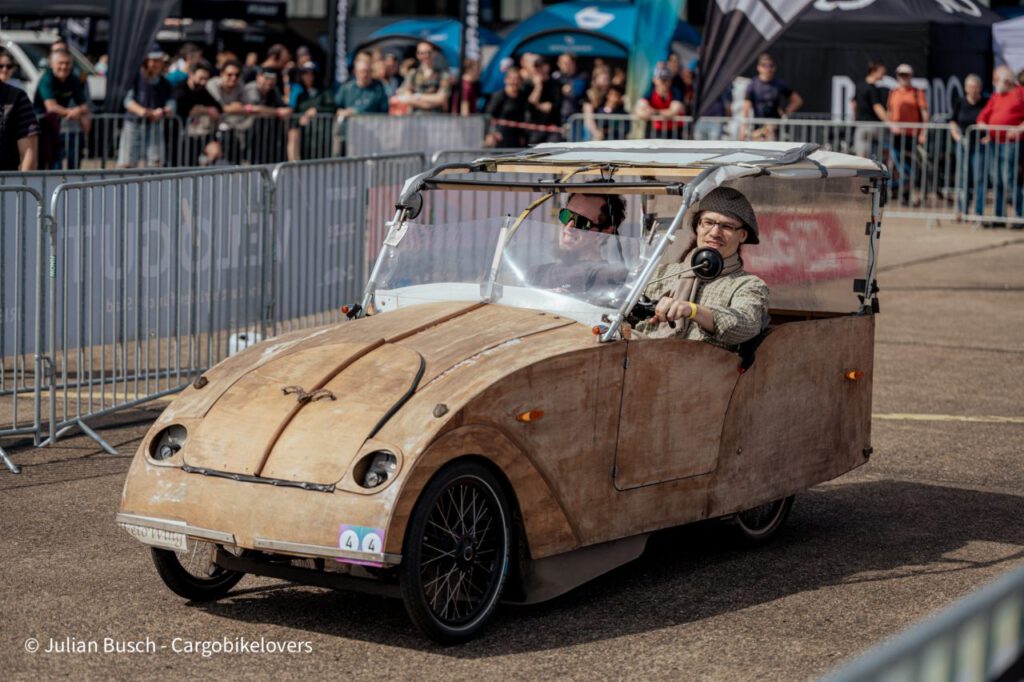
x: 826, y: 52
x: 586, y: 29
x: 444, y: 34
x: 1008, y: 43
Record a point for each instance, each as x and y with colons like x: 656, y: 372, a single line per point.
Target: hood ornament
x: 308, y: 397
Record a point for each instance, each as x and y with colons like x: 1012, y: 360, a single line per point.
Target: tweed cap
x: 731, y: 202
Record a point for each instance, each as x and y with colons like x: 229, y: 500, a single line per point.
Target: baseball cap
x: 309, y: 66
x: 905, y: 68
x: 155, y: 52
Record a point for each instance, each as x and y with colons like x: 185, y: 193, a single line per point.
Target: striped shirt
x: 17, y: 121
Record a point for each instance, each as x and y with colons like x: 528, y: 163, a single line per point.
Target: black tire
x: 460, y: 530
x: 759, y: 525
x: 188, y: 573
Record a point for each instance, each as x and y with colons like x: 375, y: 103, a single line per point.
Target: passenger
x: 579, y: 267
x: 727, y: 310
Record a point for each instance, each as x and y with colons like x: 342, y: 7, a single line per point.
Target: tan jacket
x: 738, y: 301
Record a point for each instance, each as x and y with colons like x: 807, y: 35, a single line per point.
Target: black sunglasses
x: 6, y: 66
x: 579, y: 222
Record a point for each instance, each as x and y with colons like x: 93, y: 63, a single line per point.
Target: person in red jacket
x: 1005, y: 108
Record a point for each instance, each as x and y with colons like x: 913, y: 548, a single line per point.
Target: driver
x: 579, y: 266
x: 727, y: 310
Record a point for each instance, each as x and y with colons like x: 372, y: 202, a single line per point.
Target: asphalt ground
x: 935, y: 514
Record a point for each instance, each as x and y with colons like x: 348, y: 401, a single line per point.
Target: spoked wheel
x: 192, y: 574
x: 456, y: 554
x: 759, y: 525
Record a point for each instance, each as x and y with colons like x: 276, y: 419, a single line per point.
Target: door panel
x: 674, y: 398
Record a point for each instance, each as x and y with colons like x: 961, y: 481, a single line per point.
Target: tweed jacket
x: 738, y: 301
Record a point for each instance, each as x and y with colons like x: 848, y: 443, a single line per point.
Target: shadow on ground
x: 842, y: 534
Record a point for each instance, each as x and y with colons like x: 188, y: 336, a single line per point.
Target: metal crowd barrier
x: 385, y: 177
x: 367, y: 134
x: 444, y: 207
x: 979, y: 638
x: 321, y: 242
x: 22, y: 252
x: 990, y: 175
x: 585, y: 127
x: 156, y: 278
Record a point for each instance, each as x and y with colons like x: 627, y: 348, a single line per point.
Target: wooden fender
x: 545, y: 522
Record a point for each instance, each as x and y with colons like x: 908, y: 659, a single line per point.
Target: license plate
x: 156, y: 537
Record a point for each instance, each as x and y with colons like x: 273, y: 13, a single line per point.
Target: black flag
x: 735, y: 33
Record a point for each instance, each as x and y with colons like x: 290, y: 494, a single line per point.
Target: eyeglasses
x: 709, y: 224
x: 6, y: 66
x: 566, y: 216
x: 767, y: 65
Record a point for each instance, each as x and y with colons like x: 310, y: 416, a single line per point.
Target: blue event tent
x: 444, y: 34
x: 586, y: 28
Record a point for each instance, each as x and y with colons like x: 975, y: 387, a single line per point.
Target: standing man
x: 19, y: 131
x: 227, y: 90
x: 63, y: 96
x: 308, y: 136
x: 768, y: 97
x: 964, y: 115
x: 268, y: 118
x: 508, y: 105
x: 1005, y: 108
x: 545, y: 100
x: 573, y: 85
x: 868, y: 104
x: 199, y: 112
x: 907, y: 104
x: 425, y: 89
x: 150, y: 101
x: 663, y: 103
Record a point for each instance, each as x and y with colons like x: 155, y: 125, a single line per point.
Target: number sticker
x: 372, y: 543
x: 349, y: 540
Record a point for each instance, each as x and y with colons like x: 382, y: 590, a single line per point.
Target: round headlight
x: 168, y: 442
x: 383, y: 465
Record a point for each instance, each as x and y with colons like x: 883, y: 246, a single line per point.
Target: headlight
x: 383, y: 465
x: 168, y: 442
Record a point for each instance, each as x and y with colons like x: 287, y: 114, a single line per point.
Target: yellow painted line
x: 979, y: 419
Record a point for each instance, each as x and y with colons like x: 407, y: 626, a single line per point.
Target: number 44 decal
x: 361, y: 539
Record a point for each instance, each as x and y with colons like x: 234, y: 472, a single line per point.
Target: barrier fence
x: 21, y: 262
x: 117, y: 291
x: 981, y: 637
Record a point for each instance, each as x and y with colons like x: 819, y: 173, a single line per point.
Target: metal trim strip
x: 325, y: 551
x: 176, y: 527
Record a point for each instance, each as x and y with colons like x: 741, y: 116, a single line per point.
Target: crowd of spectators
x: 188, y: 111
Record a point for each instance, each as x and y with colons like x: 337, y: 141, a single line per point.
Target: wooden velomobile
x: 471, y: 437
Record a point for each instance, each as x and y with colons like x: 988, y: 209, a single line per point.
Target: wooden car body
x: 598, y: 438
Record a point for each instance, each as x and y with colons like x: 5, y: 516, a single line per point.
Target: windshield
x: 542, y: 265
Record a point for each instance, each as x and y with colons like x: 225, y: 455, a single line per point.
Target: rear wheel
x: 757, y: 526
x: 456, y: 555
x: 191, y: 573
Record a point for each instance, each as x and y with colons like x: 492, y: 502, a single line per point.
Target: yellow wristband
x: 693, y: 310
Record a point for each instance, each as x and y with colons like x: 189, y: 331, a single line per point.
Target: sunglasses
x: 579, y: 222
x: 6, y: 66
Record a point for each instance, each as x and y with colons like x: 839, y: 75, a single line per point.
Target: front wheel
x: 192, y: 574
x: 456, y: 554
x: 757, y: 526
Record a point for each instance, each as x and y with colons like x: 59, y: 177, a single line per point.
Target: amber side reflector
x: 853, y: 375
x: 531, y: 416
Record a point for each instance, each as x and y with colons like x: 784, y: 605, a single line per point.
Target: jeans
x: 1003, y: 173
x: 971, y: 179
